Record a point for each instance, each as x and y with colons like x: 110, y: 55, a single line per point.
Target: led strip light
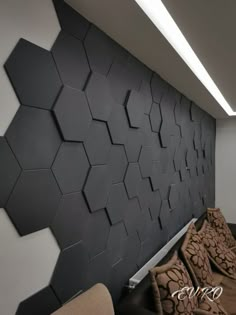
x: 161, y: 18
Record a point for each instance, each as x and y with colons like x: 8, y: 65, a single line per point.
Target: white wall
x: 226, y: 167
x: 26, y: 264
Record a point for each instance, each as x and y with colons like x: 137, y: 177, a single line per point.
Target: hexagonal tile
x: 117, y: 203
x: 132, y: 179
x: 156, y: 175
x: 42, y: 302
x: 135, y: 108
x: 97, y: 143
x: 72, y: 114
x: 191, y: 160
x: 71, y: 60
x: 34, y: 138
x: 143, y: 229
x: 164, y: 213
x: 145, y: 161
x: 155, y: 117
x: 98, y: 186
x: 144, y: 194
x: 70, y: 20
x: 71, y: 167
x: 145, y: 89
x: 133, y: 144
x: 70, y: 274
x: 97, y: 232
x: 155, y: 205
x: 133, y: 217
x: 164, y: 134
x: 99, y: 270
x: 165, y: 185
x: 180, y: 154
x: 70, y: 222
x: 101, y: 50
x: 118, y: 125
x: 115, y: 242
x: 99, y: 97
x: 33, y: 74
x: 196, y: 112
x: 9, y: 171
x: 118, y: 163
x: 173, y: 197
x: 34, y: 201
x: 158, y: 87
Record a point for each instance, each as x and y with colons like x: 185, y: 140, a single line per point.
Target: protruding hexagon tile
x: 118, y: 163
x: 33, y: 74
x: 96, y: 234
x: 133, y: 217
x: 43, y: 302
x: 70, y: 20
x: 145, y: 161
x: 156, y: 175
x: 155, y: 205
x: 173, y: 197
x: 99, y: 97
x: 70, y: 274
x: 33, y: 137
x: 145, y: 89
x: 97, y: 143
x: 144, y: 226
x: 135, y: 108
x: 117, y: 203
x: 133, y: 144
x: 158, y: 87
x: 71, y: 167
x: 102, y: 50
x: 165, y: 185
x: 179, y: 155
x: 144, y: 194
x: 164, y: 214
x: 155, y: 117
x: 72, y: 114
x: 98, y: 186
x: 34, y: 201
x: 115, y: 242
x: 132, y: 180
x: 9, y: 171
x: 70, y: 222
x: 164, y: 134
x: 99, y: 270
x: 71, y: 60
x: 118, y: 125
x: 196, y: 112
x: 191, y: 159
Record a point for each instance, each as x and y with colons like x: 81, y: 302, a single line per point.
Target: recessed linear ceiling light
x: 161, y: 18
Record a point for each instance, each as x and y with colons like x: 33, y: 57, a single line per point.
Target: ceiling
x: 126, y: 23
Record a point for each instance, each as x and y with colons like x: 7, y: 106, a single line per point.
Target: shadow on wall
x: 104, y: 152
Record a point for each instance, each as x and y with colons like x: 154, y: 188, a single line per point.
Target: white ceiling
x: 125, y: 22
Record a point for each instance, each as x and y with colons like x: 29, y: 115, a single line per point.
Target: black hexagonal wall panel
x: 118, y: 125
x: 33, y: 74
x: 97, y: 143
x: 70, y: 20
x: 110, y: 161
x: 34, y: 138
x: 99, y: 97
x: 71, y: 167
x: 34, y: 201
x: 135, y: 108
x: 117, y: 203
x: 118, y: 163
x: 98, y: 186
x: 96, y: 234
x: 71, y: 60
x: 72, y: 114
x: 132, y: 179
x: 9, y: 171
x: 67, y: 282
x: 71, y: 220
x: 43, y: 302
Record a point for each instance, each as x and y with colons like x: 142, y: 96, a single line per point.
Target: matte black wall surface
x: 105, y: 153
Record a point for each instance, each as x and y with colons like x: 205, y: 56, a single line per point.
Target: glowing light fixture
x: 161, y: 18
